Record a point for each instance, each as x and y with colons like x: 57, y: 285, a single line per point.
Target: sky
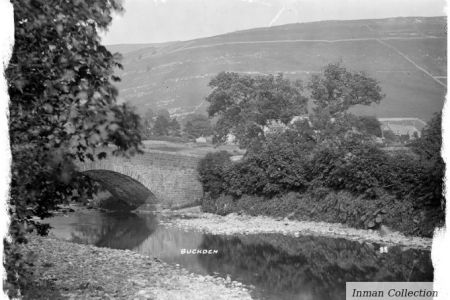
x: 153, y: 21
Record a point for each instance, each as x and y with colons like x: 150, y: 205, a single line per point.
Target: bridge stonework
x: 171, y: 177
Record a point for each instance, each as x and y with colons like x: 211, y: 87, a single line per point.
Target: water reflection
x: 311, y: 267
x: 279, y: 267
x: 112, y: 230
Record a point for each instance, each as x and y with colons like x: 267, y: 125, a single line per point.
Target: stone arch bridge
x: 152, y: 177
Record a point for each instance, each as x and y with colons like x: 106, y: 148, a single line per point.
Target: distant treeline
x: 161, y: 125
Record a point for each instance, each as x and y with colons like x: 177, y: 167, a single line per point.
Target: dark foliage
x: 161, y: 126
x: 333, y: 149
x: 336, y: 89
x: 62, y: 107
x: 147, y: 123
x: 389, y: 136
x: 197, y: 126
x: 165, y: 126
x: 327, y: 205
x: 245, y: 104
x: 369, y: 125
x: 428, y: 147
x: 282, y: 164
x: 211, y: 170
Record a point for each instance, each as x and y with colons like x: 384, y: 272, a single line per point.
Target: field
x: 189, y: 149
x: 407, y: 56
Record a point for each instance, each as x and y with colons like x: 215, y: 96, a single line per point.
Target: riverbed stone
x: 234, y: 224
x: 86, y: 272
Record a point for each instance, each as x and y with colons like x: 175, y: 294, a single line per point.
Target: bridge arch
x: 124, y: 188
x: 171, y: 178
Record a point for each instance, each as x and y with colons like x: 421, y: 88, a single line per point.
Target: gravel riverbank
x: 67, y: 270
x: 231, y: 224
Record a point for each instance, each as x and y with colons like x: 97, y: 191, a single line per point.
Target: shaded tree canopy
x: 337, y: 89
x: 174, y: 127
x: 245, y: 104
x: 62, y: 105
x: 370, y: 125
x: 429, y: 144
x: 163, y: 112
x: 389, y: 136
x: 149, y: 115
x: 161, y: 126
x: 164, y: 126
x: 147, y: 123
x: 197, y: 126
x: 428, y: 147
x: 333, y: 92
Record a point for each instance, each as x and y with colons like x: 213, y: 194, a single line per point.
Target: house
x: 402, y: 130
x: 201, y: 140
x: 410, y: 127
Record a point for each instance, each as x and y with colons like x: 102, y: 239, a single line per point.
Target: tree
x: 370, y: 125
x: 174, y: 127
x: 62, y: 107
x: 197, y: 126
x: 147, y: 122
x: 429, y: 144
x: 166, y: 127
x: 389, y: 136
x: 164, y: 113
x: 329, y: 147
x: 334, y: 92
x: 428, y: 147
x: 336, y: 89
x: 211, y: 172
x: 149, y: 115
x: 161, y: 126
x: 244, y: 105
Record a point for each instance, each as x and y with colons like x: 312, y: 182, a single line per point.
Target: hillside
x: 407, y: 56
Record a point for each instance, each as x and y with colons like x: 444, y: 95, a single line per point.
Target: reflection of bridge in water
x: 147, y: 178
x: 112, y: 230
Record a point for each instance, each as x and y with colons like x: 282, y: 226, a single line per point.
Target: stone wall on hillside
x: 171, y: 177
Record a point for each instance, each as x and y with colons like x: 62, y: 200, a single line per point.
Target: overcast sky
x: 148, y: 21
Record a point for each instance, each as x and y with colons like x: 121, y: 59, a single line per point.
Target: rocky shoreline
x: 231, y: 224
x: 65, y: 270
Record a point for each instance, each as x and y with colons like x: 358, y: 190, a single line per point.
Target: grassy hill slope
x: 407, y: 55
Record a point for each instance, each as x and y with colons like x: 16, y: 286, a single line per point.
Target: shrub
x: 18, y: 267
x: 280, y: 165
x: 365, y: 169
x: 284, y: 165
x: 358, y: 168
x: 211, y: 170
x: 277, y: 168
x: 326, y: 205
x: 428, y: 147
x: 404, y: 174
x: 222, y: 205
x: 246, y: 177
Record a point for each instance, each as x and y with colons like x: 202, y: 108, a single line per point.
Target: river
x: 272, y: 266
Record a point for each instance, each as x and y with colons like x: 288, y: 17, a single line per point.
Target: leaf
x: 59, y: 29
x: 101, y: 155
x: 379, y: 219
x: 19, y: 84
